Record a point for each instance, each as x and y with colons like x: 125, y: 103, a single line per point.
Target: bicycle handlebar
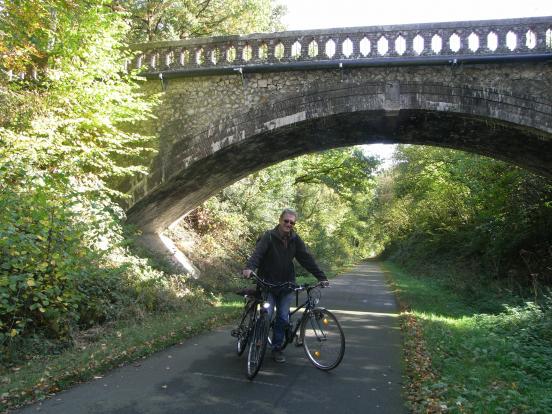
x: 295, y: 287
x: 272, y: 285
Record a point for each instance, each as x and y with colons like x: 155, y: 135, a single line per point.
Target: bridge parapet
x: 451, y: 42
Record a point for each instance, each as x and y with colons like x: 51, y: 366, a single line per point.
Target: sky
x: 325, y: 14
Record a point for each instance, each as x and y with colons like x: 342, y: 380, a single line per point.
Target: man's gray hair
x: 289, y: 211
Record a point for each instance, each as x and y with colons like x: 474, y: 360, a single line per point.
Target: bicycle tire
x: 244, y: 329
x: 323, y: 339
x: 257, y: 346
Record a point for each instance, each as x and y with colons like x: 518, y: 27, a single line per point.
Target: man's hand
x: 325, y: 283
x: 246, y: 273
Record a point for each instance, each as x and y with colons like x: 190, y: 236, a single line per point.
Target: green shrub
x: 49, y: 246
x: 62, y: 266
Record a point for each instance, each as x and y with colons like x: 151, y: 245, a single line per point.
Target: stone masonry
x: 231, y: 106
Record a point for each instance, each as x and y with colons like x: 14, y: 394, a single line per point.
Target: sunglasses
x: 289, y: 222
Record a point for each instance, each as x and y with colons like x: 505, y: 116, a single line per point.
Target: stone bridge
x: 234, y: 105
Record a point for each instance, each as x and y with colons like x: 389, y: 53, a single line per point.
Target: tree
x: 346, y: 171
x: 83, y: 101
x: 456, y: 207
x: 65, y: 137
x: 153, y: 20
x: 330, y: 191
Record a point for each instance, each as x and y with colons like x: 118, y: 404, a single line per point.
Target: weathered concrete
x: 216, y: 128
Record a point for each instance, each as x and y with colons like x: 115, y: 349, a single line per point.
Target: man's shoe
x: 278, y: 356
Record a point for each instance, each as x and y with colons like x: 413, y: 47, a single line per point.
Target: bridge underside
x: 523, y: 146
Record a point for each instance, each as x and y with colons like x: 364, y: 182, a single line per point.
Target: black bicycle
x: 254, y: 326
x: 317, y: 330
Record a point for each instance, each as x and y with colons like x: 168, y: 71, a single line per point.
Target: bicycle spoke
x: 257, y: 346
x: 244, y: 330
x: 323, y: 339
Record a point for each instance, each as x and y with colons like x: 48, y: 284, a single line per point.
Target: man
x: 273, y: 257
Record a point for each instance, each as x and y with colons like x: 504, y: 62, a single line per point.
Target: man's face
x: 287, y: 221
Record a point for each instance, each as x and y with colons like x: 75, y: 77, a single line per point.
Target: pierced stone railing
x: 452, y: 42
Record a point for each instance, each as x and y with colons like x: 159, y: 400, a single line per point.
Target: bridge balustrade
x: 377, y: 45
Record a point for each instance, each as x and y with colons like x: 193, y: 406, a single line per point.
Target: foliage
x: 329, y: 191
x: 66, y: 140
x: 347, y: 172
x: 441, y: 206
x: 63, y: 265
x: 464, y: 360
x: 153, y: 20
x: 82, y: 99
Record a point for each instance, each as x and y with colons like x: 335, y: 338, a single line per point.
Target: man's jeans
x: 282, y: 301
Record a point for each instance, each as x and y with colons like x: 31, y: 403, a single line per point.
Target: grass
x: 460, y: 359
x: 107, y: 348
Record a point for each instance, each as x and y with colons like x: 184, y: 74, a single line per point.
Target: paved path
x: 204, y: 376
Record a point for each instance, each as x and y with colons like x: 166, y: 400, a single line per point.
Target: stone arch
x: 507, y: 126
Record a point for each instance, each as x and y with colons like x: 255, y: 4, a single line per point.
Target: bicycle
x: 253, y: 328
x: 318, y: 330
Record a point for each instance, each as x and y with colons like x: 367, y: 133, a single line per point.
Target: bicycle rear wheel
x: 323, y: 339
x: 245, y: 329
x: 257, y: 346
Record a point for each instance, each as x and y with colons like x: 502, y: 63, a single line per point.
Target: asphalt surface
x: 204, y: 375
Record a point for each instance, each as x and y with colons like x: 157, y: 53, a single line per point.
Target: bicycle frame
x: 307, y: 305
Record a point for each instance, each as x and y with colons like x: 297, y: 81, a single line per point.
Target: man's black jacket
x: 273, y: 257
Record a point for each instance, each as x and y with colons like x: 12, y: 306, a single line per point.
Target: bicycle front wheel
x: 257, y: 346
x: 323, y: 339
